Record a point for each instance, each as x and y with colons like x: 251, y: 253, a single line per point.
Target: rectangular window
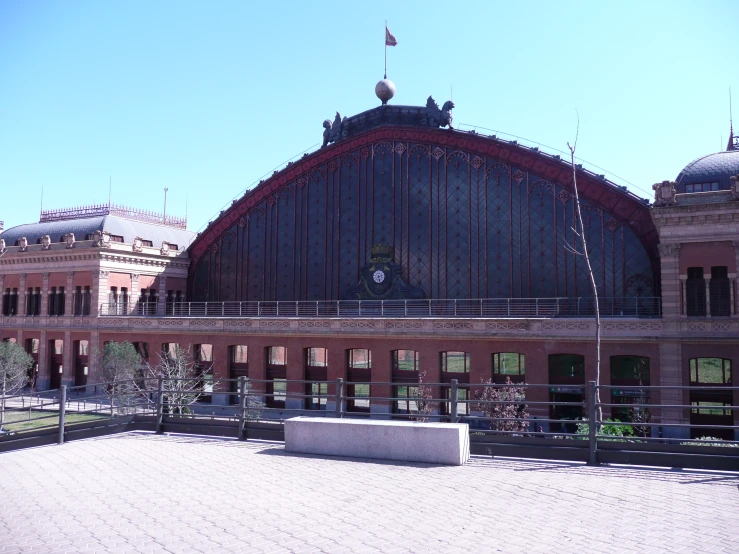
x: 317, y: 357
x: 116, y: 238
x: 78, y: 301
x: 60, y: 302
x: 51, y: 308
x: 276, y: 376
x: 142, y: 348
x: 32, y: 346
x: 720, y: 290
x: 278, y: 389
x: 6, y: 302
x: 360, y: 359
x: 455, y: 362
x: 239, y: 354
x: 277, y: 355
x: 710, y: 371
x: 317, y: 400
x: 86, y: 301
x: 147, y: 243
x: 710, y: 408
x: 509, y: 363
x: 632, y: 369
x: 695, y: 292
x: 358, y: 376
x: 405, y: 360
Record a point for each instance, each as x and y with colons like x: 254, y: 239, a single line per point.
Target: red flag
x: 389, y: 38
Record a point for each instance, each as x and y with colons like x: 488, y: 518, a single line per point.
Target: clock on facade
x: 378, y: 276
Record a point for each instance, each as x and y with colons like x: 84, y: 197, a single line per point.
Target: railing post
x: 189, y: 305
x: 339, y: 396
x: 62, y: 412
x: 592, y: 425
x: 159, y: 415
x: 537, y: 307
x: 405, y: 308
x: 453, y: 410
x: 636, y: 301
x: 578, y: 306
x: 242, y: 408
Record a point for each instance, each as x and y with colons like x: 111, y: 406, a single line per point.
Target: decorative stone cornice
x: 666, y: 250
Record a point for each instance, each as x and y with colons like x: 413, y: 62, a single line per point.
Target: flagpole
x: 385, y: 39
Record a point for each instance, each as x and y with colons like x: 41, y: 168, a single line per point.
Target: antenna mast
x: 164, y: 218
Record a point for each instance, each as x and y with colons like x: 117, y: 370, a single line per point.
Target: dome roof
x: 713, y: 168
x: 82, y: 227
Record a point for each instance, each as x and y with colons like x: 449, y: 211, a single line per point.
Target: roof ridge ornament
x: 436, y: 117
x: 664, y: 193
x: 333, y: 131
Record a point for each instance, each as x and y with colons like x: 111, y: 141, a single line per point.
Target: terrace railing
x: 641, y: 307
x: 658, y: 425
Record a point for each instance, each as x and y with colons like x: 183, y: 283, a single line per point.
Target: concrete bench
x: 434, y: 443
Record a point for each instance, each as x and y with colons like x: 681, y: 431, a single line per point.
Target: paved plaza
x: 140, y: 492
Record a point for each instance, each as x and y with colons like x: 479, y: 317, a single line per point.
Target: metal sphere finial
x: 385, y: 90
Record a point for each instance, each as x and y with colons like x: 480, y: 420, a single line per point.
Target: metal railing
x: 641, y: 307
x: 687, y: 426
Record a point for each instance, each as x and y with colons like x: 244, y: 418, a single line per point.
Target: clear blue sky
x: 207, y: 97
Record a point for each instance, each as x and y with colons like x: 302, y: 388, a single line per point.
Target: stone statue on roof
x: 332, y: 131
x: 436, y: 117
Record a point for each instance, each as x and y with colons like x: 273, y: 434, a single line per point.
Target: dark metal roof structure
x: 82, y: 227
x: 718, y: 167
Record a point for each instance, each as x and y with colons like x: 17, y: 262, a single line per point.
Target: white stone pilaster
x: 670, y: 270
x: 45, y: 295
x: 69, y: 294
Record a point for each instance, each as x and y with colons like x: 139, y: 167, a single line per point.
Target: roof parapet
x: 96, y: 210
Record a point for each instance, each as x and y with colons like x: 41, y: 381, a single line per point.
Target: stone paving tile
x: 143, y: 493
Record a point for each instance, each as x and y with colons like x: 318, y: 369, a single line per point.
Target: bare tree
x: 581, y: 249
x: 504, y: 406
x: 182, y: 383
x: 14, y: 365
x: 423, y: 398
x: 119, y: 366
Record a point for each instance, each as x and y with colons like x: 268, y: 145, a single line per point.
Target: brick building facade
x: 454, y: 244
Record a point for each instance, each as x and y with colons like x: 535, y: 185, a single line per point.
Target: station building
x: 402, y: 251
